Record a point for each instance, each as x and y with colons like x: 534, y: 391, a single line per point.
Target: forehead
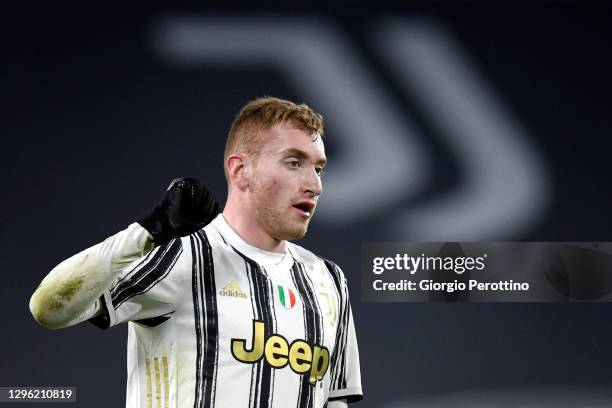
x: 281, y: 138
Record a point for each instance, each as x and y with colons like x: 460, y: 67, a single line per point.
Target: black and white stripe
x: 137, y: 267
x: 338, y: 365
x: 313, y: 327
x: 262, y: 302
x: 206, y: 320
x: 147, y: 273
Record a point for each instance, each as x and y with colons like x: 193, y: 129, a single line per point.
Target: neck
x: 242, y: 220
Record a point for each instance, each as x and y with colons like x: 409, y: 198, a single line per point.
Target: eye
x: 320, y: 171
x: 294, y: 163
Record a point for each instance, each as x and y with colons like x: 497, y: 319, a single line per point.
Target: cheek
x: 269, y: 188
x: 278, y: 191
x: 273, y: 186
x: 274, y: 189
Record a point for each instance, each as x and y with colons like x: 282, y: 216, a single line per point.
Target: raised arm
x: 70, y: 293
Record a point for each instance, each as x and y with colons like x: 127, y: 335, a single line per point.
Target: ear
x: 238, y: 168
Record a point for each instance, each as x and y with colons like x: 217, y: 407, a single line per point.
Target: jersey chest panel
x: 264, y: 315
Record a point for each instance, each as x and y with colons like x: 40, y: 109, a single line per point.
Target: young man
x: 225, y: 313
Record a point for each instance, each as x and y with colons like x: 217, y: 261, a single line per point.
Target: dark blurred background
x: 445, y: 121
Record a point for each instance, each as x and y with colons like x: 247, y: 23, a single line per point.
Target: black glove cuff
x: 186, y: 207
x: 156, y: 223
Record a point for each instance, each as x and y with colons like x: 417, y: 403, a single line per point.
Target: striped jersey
x: 216, y: 322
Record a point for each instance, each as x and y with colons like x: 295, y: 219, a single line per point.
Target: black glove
x: 186, y: 207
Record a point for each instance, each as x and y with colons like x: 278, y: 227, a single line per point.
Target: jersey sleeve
x: 345, y: 380
x: 147, y: 291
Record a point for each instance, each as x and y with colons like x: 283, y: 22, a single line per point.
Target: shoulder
x: 301, y: 254
x: 208, y: 236
x: 307, y: 257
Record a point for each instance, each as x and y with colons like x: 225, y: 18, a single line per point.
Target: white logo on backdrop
x: 381, y: 158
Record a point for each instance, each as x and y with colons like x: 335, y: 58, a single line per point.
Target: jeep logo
x: 278, y: 353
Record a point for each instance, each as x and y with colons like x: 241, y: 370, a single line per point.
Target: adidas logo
x: 233, y: 289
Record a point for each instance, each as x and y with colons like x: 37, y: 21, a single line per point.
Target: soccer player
x: 227, y: 313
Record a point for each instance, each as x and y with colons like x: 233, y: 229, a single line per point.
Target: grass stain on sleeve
x: 65, y: 294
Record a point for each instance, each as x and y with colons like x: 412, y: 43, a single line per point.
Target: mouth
x: 304, y: 207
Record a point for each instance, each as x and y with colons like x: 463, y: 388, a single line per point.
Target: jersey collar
x: 266, y: 258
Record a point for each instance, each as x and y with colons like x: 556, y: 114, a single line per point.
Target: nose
x: 312, y: 183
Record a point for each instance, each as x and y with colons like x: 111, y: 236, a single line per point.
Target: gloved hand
x: 186, y: 207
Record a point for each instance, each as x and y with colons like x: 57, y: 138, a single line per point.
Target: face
x: 285, y: 182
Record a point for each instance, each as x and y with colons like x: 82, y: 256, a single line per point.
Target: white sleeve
x: 70, y: 293
x: 148, y: 290
x: 337, y: 404
x: 345, y: 369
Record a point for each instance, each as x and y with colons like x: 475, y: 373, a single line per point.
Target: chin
x: 295, y: 233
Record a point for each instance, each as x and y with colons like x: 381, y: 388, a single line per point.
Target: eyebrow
x: 301, y: 154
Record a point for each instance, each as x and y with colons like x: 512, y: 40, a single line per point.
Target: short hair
x: 262, y: 114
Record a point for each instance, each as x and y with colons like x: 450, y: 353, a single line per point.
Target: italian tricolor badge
x: 287, y: 296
